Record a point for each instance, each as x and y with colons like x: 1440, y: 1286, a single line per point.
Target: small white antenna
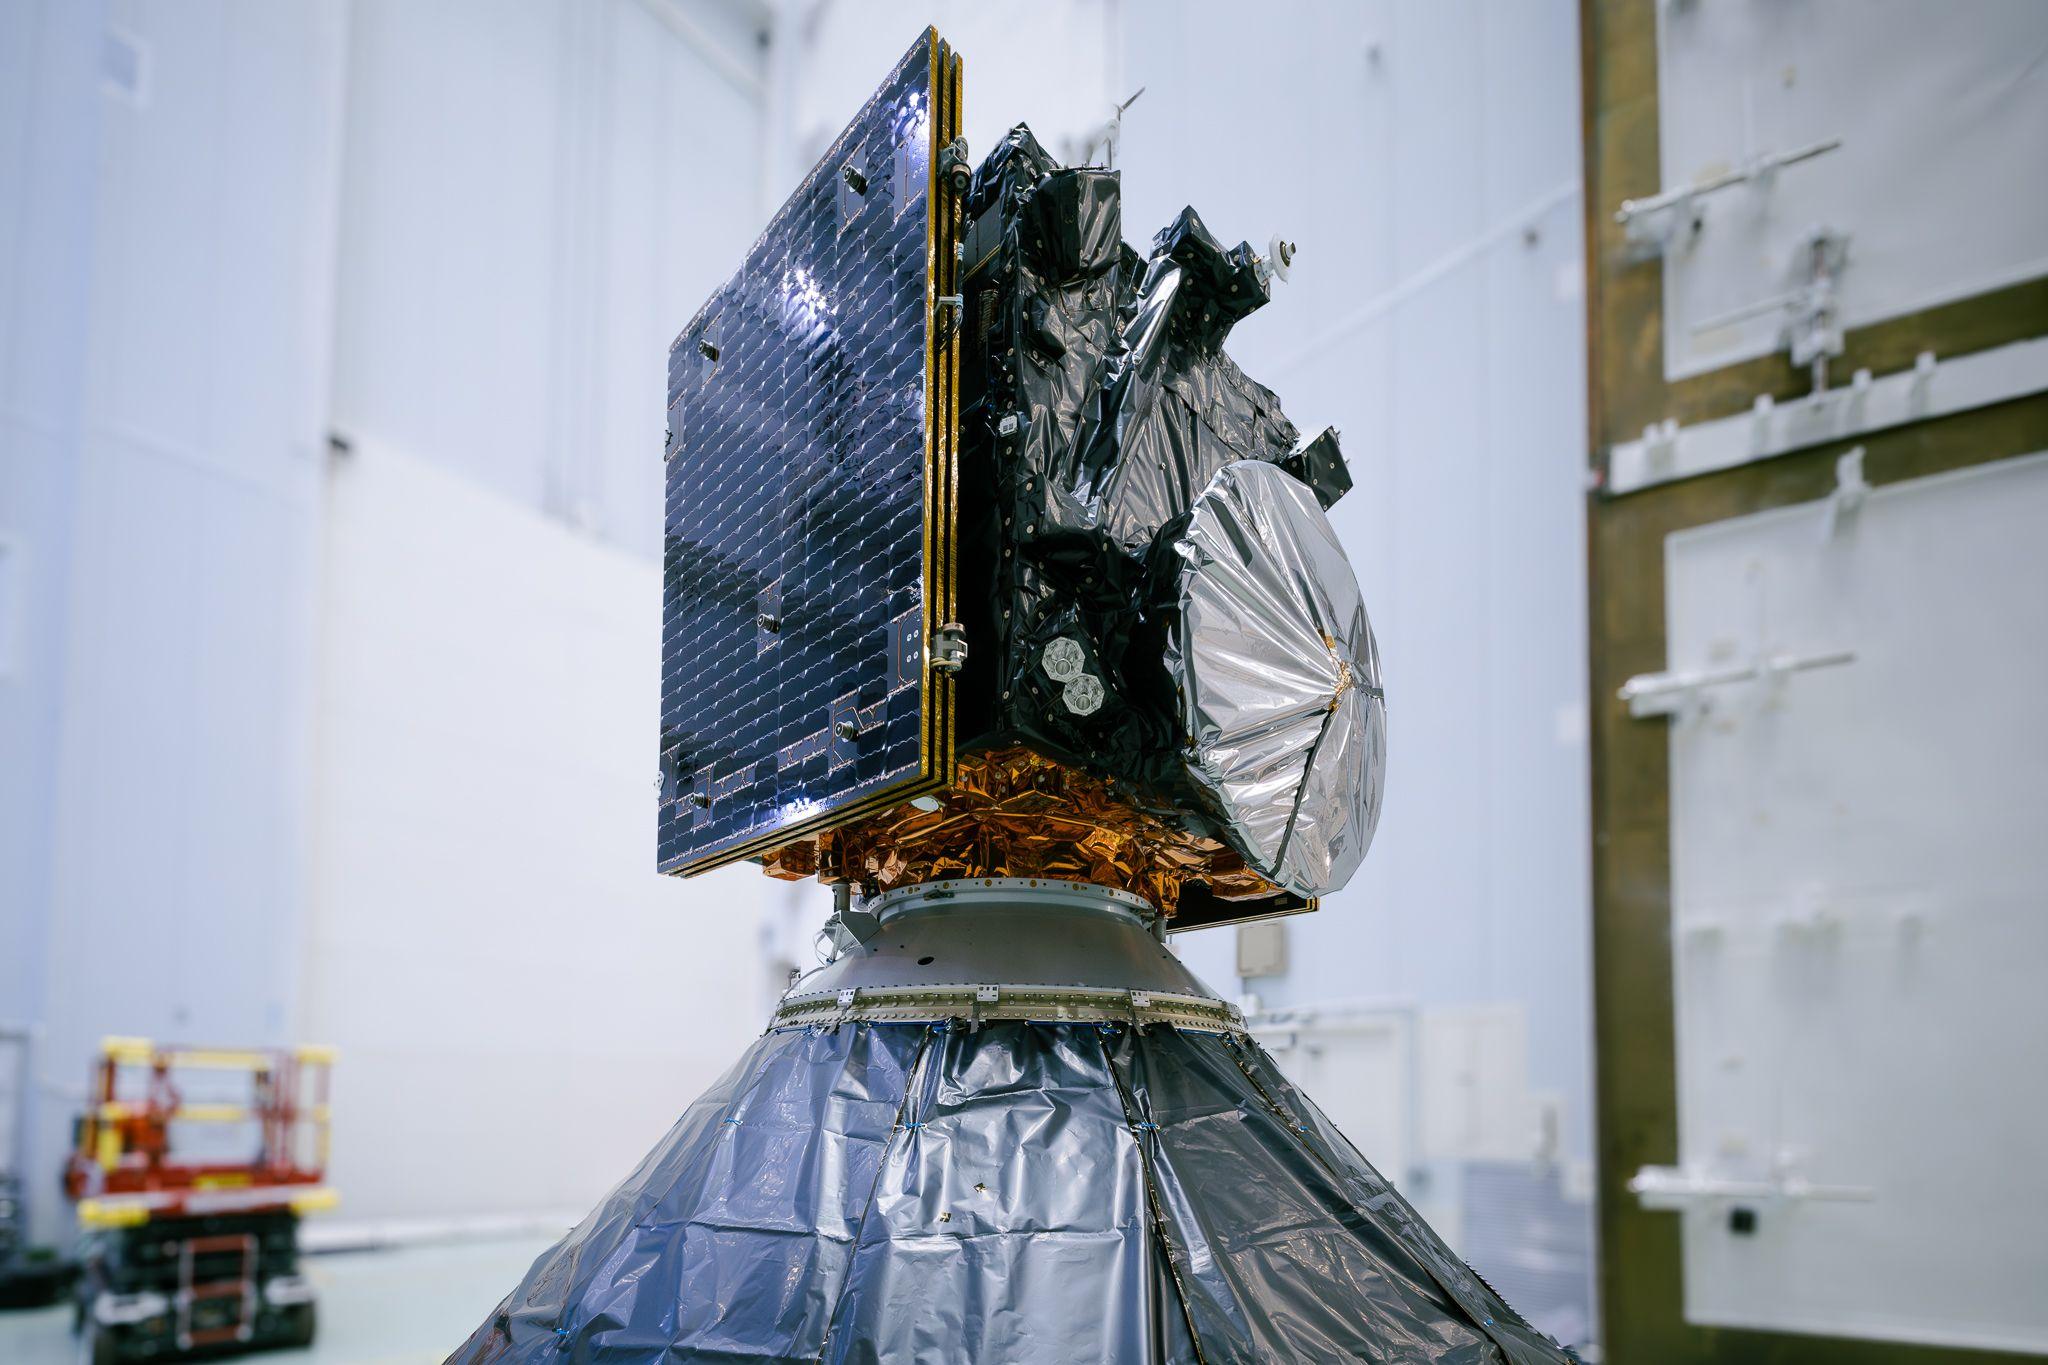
x: 1112, y: 132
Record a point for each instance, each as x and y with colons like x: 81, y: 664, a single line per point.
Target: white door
x: 1859, y: 835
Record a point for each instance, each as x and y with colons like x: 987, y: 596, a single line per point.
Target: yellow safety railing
x: 112, y: 1213
x: 317, y: 1200
x: 129, y: 1051
x: 106, y: 1137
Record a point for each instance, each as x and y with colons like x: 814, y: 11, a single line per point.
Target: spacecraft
x: 1000, y: 601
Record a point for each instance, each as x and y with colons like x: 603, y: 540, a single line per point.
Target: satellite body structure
x: 999, y: 599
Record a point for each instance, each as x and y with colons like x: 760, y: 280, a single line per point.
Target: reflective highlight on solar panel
x: 808, y: 519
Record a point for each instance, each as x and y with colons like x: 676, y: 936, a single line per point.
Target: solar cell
x: 808, y: 545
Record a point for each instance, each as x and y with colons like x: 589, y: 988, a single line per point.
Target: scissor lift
x: 190, y: 1206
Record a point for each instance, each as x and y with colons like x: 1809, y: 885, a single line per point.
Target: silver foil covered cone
x: 959, y: 1166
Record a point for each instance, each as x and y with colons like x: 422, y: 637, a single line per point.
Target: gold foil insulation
x: 1013, y: 812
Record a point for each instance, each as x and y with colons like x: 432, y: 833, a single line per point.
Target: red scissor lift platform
x: 191, y: 1170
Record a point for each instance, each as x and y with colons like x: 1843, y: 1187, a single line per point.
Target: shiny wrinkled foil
x: 1013, y: 812
x: 1279, y: 679
x: 1020, y: 1193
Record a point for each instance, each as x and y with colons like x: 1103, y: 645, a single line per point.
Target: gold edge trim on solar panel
x: 934, y: 420
x: 935, y: 759
x: 885, y: 799
x: 927, y: 741
x: 949, y: 507
x: 830, y: 818
x: 942, y: 410
x: 941, y: 426
x: 956, y: 213
x: 942, y: 419
x: 941, y: 444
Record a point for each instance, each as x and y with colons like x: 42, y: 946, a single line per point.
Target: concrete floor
x: 405, y: 1306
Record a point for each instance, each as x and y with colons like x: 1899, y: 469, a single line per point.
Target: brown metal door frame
x: 1635, y: 1104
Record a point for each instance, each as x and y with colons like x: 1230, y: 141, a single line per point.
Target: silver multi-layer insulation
x: 1279, y: 679
x: 1004, y: 1136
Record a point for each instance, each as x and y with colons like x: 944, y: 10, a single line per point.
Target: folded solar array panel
x: 808, y: 530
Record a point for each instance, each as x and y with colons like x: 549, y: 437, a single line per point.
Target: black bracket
x: 946, y: 316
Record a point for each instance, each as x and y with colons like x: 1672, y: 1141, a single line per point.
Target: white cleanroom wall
x: 172, y: 172
x: 522, y: 1004
x: 536, y: 197
x: 460, y: 235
